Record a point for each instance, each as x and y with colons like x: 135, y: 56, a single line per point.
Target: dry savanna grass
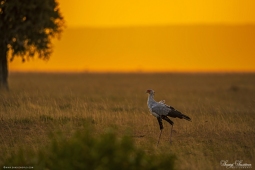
x: 221, y: 107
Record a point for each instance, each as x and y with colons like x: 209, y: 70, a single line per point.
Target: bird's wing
x: 175, y: 113
x: 160, y: 109
x: 170, y: 107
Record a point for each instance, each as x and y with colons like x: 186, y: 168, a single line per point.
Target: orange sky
x: 150, y: 12
x: 147, y: 35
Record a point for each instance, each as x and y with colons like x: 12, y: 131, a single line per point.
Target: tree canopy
x: 26, y: 29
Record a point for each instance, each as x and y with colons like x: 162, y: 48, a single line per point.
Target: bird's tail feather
x: 186, y: 117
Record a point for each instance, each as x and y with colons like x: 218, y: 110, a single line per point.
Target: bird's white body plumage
x: 157, y: 108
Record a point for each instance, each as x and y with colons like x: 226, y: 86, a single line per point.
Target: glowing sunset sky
x: 148, y: 35
x: 162, y: 12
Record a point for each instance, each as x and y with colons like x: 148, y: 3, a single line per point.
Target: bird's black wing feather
x: 175, y: 113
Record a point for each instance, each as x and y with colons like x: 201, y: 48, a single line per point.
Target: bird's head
x: 151, y: 92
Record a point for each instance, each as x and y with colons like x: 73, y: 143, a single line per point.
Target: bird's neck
x: 150, y: 99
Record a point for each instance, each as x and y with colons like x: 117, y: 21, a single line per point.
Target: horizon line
x: 137, y: 72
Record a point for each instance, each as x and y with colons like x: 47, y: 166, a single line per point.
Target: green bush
x: 91, y: 152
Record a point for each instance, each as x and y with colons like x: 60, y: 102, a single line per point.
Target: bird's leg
x: 171, y: 133
x: 171, y: 123
x: 159, y: 137
x: 161, y: 127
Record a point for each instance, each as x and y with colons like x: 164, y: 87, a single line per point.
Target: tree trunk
x: 3, y: 66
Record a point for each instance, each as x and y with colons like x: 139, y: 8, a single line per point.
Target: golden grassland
x: 220, y: 105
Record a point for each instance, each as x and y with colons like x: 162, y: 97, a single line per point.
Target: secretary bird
x: 160, y: 110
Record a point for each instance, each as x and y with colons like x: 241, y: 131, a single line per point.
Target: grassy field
x: 221, y: 107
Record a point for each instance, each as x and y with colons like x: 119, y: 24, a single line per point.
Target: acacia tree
x: 26, y: 29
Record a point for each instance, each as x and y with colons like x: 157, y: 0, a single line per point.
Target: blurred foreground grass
x: 83, y: 150
x: 221, y: 107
